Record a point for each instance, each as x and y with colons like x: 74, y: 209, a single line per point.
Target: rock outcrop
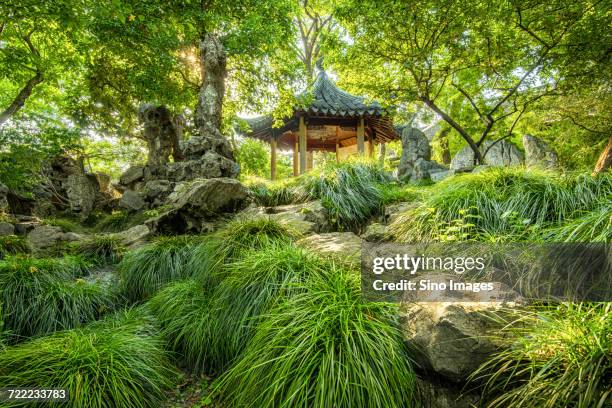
x: 43, y: 237
x: 496, y: 154
x: 415, y: 163
x: 193, y: 203
x: 538, y: 153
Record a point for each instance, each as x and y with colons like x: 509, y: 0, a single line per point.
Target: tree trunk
x: 210, y: 100
x: 605, y: 159
x: 21, y: 98
x: 477, y: 154
x: 445, y: 155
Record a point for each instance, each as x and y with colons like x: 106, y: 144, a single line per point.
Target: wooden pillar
x: 296, y: 163
x: 360, y: 137
x: 337, y: 144
x: 303, y: 147
x: 273, y: 158
x: 310, y: 160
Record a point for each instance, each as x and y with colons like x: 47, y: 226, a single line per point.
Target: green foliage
x: 145, y: 270
x: 499, y: 203
x: 46, y: 295
x: 66, y: 224
x: 13, y: 245
x: 272, y: 194
x: 119, y: 221
x: 592, y: 226
x: 394, y: 193
x: 253, y: 157
x: 320, y: 347
x: 118, y: 362
x: 559, y: 357
x: 348, y: 192
x: 100, y: 249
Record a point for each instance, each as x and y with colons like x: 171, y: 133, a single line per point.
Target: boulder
x: 311, y: 211
x: 6, y: 228
x: 192, y: 204
x: 156, y: 191
x: 134, y: 236
x: 45, y: 236
x: 498, y: 154
x: 343, y: 245
x: 132, y: 175
x: 450, y: 340
x: 415, y: 163
x: 295, y: 221
x: 375, y: 232
x: 132, y: 201
x: 81, y: 190
x: 393, y: 211
x: 538, y: 153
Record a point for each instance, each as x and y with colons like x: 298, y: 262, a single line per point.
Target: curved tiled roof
x: 325, y: 100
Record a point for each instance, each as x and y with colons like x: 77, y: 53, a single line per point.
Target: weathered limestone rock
x: 311, y: 211
x: 375, y: 233
x: 156, y: 191
x: 81, y: 190
x: 132, y: 175
x: 394, y: 211
x: 134, y: 236
x: 162, y: 131
x: 451, y: 340
x: 295, y: 221
x: 415, y: 163
x: 132, y: 201
x: 45, y: 236
x: 498, y: 154
x: 6, y: 228
x: 343, y: 245
x: 538, y: 153
x: 194, y: 203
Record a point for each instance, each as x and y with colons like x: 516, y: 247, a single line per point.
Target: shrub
x: 13, y: 245
x: 45, y: 295
x: 500, y: 202
x: 100, y: 249
x: 118, y: 362
x: 560, y: 357
x: 324, y: 347
x: 145, y: 270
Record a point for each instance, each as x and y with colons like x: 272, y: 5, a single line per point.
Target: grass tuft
x: 13, y: 245
x: 145, y: 270
x: 100, y: 249
x: 323, y: 346
x: 501, y: 202
x: 41, y: 296
x: 118, y: 362
x: 560, y: 357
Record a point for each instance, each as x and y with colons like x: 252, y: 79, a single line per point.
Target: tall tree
x: 502, y: 57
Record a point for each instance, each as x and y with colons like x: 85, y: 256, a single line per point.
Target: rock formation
x: 415, y: 163
x: 496, y: 154
x: 538, y: 153
x: 162, y: 131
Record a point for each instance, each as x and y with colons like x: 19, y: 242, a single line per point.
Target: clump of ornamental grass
x: 66, y: 224
x: 145, y: 270
x: 348, y: 192
x: 212, y: 327
x: 325, y: 347
x: 393, y: 193
x: 236, y: 237
x: 501, y: 201
x: 592, y: 226
x: 41, y: 296
x: 100, y: 248
x: 13, y: 245
x: 119, y: 221
x: 560, y: 356
x: 118, y: 362
x: 272, y: 194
